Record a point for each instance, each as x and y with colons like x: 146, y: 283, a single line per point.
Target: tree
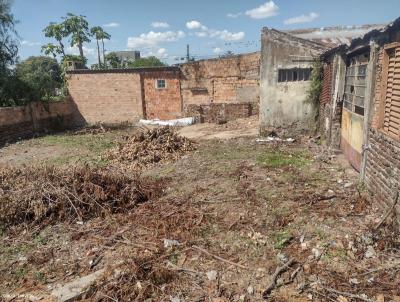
x: 8, y: 55
x: 8, y: 45
x: 151, y: 61
x: 78, y: 28
x: 112, y: 60
x: 100, y: 34
x: 41, y: 76
x: 57, y: 31
x: 51, y: 49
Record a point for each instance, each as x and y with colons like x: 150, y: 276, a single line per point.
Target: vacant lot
x: 221, y: 220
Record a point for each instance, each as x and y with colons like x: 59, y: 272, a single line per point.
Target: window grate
x: 294, y: 75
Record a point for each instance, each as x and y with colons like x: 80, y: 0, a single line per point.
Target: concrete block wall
x: 24, y: 121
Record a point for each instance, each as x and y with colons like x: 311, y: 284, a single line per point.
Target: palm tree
x: 96, y: 32
x: 78, y: 27
x: 58, y: 32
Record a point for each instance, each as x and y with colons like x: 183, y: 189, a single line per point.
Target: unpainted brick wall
x: 212, y: 113
x: 25, y: 121
x: 383, y: 155
x: 227, y: 80
x: 164, y: 104
x: 111, y: 97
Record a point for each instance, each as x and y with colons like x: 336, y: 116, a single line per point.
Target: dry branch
x: 218, y: 258
x: 388, y: 212
x: 278, y: 271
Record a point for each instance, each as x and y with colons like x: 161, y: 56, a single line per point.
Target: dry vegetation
x: 211, y: 224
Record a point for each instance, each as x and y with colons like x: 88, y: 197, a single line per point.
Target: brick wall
x: 226, y: 80
x: 108, y: 97
x: 25, y: 121
x: 164, y: 104
x: 217, y: 112
x: 382, y: 176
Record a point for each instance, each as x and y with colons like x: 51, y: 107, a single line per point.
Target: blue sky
x: 210, y: 27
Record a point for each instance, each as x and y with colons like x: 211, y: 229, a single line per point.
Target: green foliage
x: 8, y: 44
x: 57, y: 31
x: 41, y: 77
x: 281, y: 239
x: 112, y: 60
x: 77, y: 27
x: 146, y: 62
x: 316, y: 82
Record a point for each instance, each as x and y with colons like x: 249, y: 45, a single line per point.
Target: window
x: 355, y: 84
x: 390, y: 92
x: 294, y: 74
x: 161, y: 84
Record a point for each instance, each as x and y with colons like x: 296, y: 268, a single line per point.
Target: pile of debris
x: 49, y: 194
x: 158, y: 145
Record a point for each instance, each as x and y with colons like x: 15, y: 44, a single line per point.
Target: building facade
x: 286, y: 65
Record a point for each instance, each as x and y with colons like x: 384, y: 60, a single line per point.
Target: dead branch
x: 388, y: 212
x: 218, y: 258
x: 393, y: 265
x: 278, y: 271
x: 350, y: 295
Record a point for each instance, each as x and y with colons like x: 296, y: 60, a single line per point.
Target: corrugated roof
x: 334, y: 36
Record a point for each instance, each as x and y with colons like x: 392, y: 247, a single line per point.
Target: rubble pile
x: 151, y: 146
x: 49, y: 194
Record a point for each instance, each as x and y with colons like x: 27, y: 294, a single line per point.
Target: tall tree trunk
x: 62, y: 48
x: 80, y: 46
x: 98, y: 53
x: 104, y: 53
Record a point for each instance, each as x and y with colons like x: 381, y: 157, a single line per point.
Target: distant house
x: 129, y: 55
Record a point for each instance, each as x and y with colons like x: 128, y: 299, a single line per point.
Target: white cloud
x: 159, y: 24
x: 233, y: 15
x: 152, y: 39
x: 217, y: 50
x: 195, y: 25
x: 30, y: 43
x: 302, y: 19
x: 226, y: 35
x: 266, y: 10
x: 201, y: 34
x: 111, y: 24
x: 87, y: 51
x: 162, y: 53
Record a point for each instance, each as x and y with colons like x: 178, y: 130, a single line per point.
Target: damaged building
x: 360, y: 107
x: 286, y: 65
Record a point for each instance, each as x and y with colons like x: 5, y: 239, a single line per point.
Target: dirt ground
x: 229, y: 215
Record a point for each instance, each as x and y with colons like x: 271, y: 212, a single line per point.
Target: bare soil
x: 230, y: 213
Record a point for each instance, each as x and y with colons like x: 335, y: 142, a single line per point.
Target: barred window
x: 355, y: 84
x: 294, y: 74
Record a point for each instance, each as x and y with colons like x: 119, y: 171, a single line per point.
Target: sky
x: 211, y: 27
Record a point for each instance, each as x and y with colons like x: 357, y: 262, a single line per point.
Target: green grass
x: 277, y: 159
x: 86, y: 148
x: 281, y: 239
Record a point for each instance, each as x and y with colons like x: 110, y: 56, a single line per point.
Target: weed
x: 281, y: 239
x: 277, y: 159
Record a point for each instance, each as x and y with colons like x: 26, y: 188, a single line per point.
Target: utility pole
x: 187, y: 53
